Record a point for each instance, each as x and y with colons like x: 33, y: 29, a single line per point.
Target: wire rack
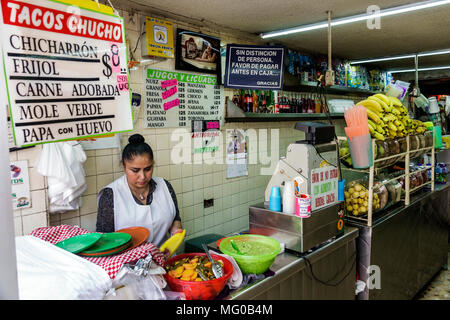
x: 367, y: 219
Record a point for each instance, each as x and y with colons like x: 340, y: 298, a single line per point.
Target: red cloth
x: 111, y: 264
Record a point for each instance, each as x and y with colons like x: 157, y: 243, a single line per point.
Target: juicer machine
x: 313, y: 162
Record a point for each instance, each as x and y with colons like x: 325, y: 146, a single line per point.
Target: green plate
x: 109, y: 241
x: 79, y: 243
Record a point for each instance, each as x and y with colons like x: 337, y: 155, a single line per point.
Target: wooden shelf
x: 266, y: 117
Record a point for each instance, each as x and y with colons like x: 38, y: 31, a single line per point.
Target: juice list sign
x: 175, y: 99
x: 65, y: 70
x: 254, y: 67
x: 324, y: 187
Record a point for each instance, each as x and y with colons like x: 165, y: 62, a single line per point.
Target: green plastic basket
x: 252, y: 263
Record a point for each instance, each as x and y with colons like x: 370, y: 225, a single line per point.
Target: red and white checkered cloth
x: 111, y: 264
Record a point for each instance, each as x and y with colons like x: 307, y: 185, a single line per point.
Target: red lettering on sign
x: 315, y: 177
x: 42, y: 18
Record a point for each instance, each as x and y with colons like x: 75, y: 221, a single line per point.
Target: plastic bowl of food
x: 190, y: 282
x: 257, y: 252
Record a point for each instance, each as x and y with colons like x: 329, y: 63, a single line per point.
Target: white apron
x: 156, y: 217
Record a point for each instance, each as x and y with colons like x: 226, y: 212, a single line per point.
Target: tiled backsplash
x: 192, y: 182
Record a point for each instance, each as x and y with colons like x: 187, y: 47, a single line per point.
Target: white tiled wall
x: 192, y: 182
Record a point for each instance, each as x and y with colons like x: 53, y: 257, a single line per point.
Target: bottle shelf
x: 265, y: 117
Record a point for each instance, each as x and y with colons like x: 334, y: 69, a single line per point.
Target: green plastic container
x: 252, y: 262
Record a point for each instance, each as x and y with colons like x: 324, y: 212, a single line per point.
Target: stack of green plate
x: 109, y: 244
x: 97, y: 244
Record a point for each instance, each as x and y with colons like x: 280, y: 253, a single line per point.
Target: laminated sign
x: 65, y: 71
x: 324, y: 187
x: 254, y: 67
x: 175, y: 99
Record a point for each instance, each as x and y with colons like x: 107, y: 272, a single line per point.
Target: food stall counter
x: 327, y: 272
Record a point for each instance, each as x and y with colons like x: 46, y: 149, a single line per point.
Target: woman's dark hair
x: 136, y: 147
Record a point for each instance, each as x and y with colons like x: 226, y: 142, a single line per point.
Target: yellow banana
x: 370, y: 122
x: 380, y: 129
x: 391, y: 126
x: 372, y: 115
x: 395, y: 111
x: 395, y: 101
x: 382, y: 97
x: 378, y: 136
x: 371, y: 129
x: 372, y: 105
x: 381, y: 103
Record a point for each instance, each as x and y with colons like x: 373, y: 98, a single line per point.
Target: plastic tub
x: 252, y: 263
x: 200, y: 290
x: 361, y: 151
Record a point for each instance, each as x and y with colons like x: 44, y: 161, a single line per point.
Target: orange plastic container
x: 200, y: 290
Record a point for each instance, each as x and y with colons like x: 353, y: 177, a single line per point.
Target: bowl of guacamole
x: 256, y: 252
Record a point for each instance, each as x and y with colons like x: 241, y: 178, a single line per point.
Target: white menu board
x: 65, y: 71
x: 174, y: 99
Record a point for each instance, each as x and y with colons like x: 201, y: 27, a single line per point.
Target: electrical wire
x: 327, y: 283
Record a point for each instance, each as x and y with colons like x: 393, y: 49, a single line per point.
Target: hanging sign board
x: 254, y: 67
x: 65, y: 71
x: 174, y: 99
x: 324, y: 187
x: 20, y: 185
x: 159, y: 36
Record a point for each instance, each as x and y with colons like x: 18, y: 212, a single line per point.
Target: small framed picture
x: 198, y: 52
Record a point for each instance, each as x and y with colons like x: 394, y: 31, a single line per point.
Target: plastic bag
x: 144, y: 278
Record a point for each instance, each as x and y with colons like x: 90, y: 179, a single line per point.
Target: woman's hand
x: 176, y: 228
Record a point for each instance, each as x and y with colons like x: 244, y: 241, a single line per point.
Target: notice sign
x: 20, y: 185
x: 174, y: 99
x: 65, y: 70
x: 159, y: 34
x: 254, y: 67
x: 324, y: 187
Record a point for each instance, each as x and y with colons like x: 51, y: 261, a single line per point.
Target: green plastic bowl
x: 252, y: 261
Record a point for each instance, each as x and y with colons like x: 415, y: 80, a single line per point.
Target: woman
x: 208, y: 55
x: 137, y: 198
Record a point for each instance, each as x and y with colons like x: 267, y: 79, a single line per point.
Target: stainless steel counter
x: 333, y: 267
x: 407, y: 245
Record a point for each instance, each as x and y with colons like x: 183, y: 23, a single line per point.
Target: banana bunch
x: 387, y: 117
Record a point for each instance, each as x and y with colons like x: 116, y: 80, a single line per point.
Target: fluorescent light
x: 383, y: 59
x: 422, y: 54
x: 433, y: 53
x: 421, y: 69
x: 360, y: 17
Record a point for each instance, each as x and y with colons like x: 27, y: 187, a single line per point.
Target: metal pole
x: 329, y: 41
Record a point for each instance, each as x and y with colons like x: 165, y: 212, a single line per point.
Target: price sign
x: 65, y: 71
x: 324, y: 187
x: 175, y: 99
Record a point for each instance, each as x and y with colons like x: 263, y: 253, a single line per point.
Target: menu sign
x: 324, y: 187
x: 65, y: 71
x: 174, y: 99
x: 254, y: 67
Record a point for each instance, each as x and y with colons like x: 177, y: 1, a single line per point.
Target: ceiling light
x: 360, y: 17
x: 421, y: 69
x: 383, y: 59
x: 422, y: 54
